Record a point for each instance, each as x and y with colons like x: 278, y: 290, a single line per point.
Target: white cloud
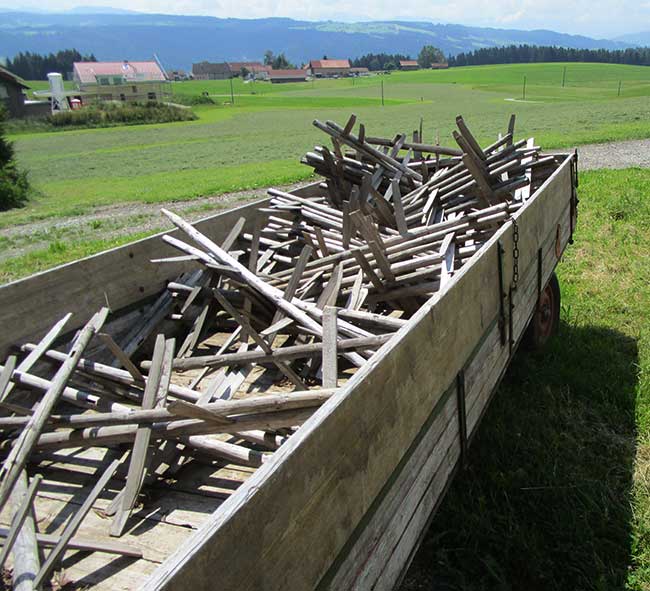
x: 603, y: 18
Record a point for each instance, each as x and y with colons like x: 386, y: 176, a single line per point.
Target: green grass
x: 556, y: 492
x: 258, y: 141
x: 59, y: 252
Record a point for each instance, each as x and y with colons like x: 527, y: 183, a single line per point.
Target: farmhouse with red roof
x: 329, y: 68
x: 122, y: 81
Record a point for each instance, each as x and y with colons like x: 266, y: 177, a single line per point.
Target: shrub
x: 194, y: 99
x: 14, y: 187
x: 111, y: 114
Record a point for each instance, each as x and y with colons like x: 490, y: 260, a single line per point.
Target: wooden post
x: 523, y: 95
x: 382, y: 93
x: 23, y: 511
x: 563, y: 76
x: 330, y: 365
x: 232, y: 94
x: 619, y: 87
x: 25, y: 549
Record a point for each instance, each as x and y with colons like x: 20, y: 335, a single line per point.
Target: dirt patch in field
x: 112, y: 221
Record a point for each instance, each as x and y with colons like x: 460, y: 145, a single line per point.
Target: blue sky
x: 595, y: 18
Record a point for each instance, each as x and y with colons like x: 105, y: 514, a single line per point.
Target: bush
x: 14, y: 187
x: 110, y: 114
x: 193, y: 100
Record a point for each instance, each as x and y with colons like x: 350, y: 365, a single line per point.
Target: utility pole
x: 232, y: 94
x: 619, y: 87
x: 382, y: 93
x: 523, y: 94
x: 563, y: 76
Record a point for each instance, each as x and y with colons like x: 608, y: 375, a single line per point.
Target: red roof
x: 87, y: 72
x: 288, y: 73
x: 329, y: 64
x: 408, y: 63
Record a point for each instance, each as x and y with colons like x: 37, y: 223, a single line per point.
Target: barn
x: 329, y: 68
x: 12, y: 93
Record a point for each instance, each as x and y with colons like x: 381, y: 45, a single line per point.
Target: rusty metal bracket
x: 511, y: 309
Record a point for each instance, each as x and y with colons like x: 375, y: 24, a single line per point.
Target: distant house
x: 211, y: 71
x: 440, y: 66
x: 177, y: 75
x: 280, y: 76
x: 408, y: 65
x: 12, y: 96
x: 329, y: 68
x: 359, y: 71
x: 122, y: 81
x: 256, y: 69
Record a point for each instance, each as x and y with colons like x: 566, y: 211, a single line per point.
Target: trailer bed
x: 344, y: 501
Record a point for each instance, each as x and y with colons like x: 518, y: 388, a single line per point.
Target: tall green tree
x: 14, y: 187
x: 277, y: 62
x: 280, y: 62
x: 430, y: 55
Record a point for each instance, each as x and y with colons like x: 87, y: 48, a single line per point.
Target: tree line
x: 517, y: 54
x: 277, y: 62
x: 33, y: 66
x: 379, y: 61
x: 390, y: 61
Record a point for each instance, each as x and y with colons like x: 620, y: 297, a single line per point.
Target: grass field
x: 258, y: 140
x: 556, y: 495
x: 557, y: 492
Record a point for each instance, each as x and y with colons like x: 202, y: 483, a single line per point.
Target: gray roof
x: 11, y: 77
x: 206, y: 68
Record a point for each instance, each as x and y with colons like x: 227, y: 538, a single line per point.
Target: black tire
x: 546, y: 318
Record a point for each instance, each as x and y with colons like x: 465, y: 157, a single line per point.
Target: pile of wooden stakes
x: 297, y: 303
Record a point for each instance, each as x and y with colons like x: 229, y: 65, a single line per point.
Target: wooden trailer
x: 344, y: 502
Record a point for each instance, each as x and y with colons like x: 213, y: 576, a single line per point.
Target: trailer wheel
x: 546, y: 318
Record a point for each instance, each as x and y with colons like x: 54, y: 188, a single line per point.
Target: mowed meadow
x: 258, y: 140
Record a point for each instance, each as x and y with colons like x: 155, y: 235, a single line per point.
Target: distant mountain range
x: 637, y: 39
x: 181, y: 40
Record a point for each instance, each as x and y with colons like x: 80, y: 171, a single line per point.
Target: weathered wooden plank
x: 20, y: 515
x: 422, y: 459
x: 155, y: 395
x: 26, y: 560
x: 330, y: 365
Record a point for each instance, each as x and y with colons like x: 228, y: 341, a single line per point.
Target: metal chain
x: 515, y: 253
